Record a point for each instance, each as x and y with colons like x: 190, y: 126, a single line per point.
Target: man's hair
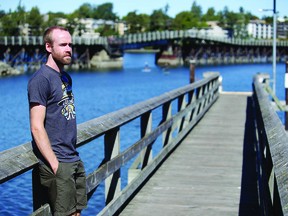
x: 47, y: 37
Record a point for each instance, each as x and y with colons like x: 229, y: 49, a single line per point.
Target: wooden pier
x: 203, y: 175
x: 222, y: 154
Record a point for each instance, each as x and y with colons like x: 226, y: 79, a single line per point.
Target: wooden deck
x: 203, y: 175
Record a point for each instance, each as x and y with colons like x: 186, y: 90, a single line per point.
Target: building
x: 259, y: 29
x: 282, y: 28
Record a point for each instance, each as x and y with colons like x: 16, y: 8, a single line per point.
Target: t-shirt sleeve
x: 38, y: 90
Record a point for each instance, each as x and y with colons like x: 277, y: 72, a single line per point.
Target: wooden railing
x: 190, y: 102
x: 271, y: 145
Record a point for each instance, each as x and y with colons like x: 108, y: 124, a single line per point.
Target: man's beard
x: 63, y: 60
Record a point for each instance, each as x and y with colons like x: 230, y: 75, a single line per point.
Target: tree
x: 268, y: 19
x: 35, y: 21
x: 184, y: 20
x: 9, y: 25
x: 104, y: 11
x: 159, y: 20
x: 12, y: 22
x: 106, y: 30
x: 196, y: 11
x: 2, y: 13
x: 136, y: 23
x: 210, y: 15
x: 84, y: 11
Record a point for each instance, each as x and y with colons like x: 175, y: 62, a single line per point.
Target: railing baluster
x: 181, y: 106
x: 166, y: 114
x: 112, y: 149
x: 146, y: 128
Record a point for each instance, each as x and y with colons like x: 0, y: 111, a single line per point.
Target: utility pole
x: 274, y: 45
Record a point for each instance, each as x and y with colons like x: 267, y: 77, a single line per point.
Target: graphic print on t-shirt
x: 67, y: 102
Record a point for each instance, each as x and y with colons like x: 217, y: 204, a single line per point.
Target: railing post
x: 181, y: 106
x: 192, y: 71
x: 166, y: 114
x: 146, y: 128
x: 146, y: 154
x: 112, y: 149
x: 286, y: 95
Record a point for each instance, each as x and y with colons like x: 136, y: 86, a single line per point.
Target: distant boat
x: 146, y: 68
x: 166, y: 71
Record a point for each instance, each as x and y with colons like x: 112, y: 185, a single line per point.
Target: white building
x: 259, y: 29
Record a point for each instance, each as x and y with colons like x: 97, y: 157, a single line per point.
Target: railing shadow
x: 249, y: 195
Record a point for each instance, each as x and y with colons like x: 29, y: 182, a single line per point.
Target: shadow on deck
x: 249, y: 204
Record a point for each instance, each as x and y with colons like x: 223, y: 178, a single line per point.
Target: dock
x: 203, y: 175
x: 222, y: 153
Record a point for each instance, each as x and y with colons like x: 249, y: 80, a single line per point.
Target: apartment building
x: 259, y: 29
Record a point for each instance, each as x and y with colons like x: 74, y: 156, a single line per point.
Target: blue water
x: 97, y: 94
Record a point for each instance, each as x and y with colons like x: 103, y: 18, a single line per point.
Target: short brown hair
x: 47, y: 38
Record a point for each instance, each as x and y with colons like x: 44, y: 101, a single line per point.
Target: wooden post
x: 112, y: 149
x: 146, y: 128
x: 286, y: 95
x: 192, y: 71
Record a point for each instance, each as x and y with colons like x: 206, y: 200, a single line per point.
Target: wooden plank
x: 16, y: 161
x: 203, y: 175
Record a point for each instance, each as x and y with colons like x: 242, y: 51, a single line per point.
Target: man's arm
x: 37, y: 117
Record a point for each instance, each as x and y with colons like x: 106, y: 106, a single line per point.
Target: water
x: 97, y: 94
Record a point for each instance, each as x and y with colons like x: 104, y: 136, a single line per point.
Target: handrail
x: 144, y: 37
x: 272, y: 153
x: 192, y: 100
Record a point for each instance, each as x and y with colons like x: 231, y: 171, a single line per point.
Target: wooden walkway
x: 203, y: 175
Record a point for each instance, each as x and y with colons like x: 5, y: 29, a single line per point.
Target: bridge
x: 185, y: 44
x: 220, y: 153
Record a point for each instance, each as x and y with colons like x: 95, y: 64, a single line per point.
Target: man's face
x: 61, y: 49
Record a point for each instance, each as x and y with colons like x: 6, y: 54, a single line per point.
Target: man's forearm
x: 44, y: 146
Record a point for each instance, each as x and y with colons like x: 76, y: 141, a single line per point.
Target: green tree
x: 184, y: 20
x: 159, y: 21
x: 9, y: 25
x: 137, y: 23
x: 35, y: 21
x: 2, y: 13
x: 106, y: 30
x: 268, y: 19
x: 71, y: 23
x: 84, y: 11
x: 104, y: 11
x: 13, y: 21
x: 210, y: 15
x: 196, y: 11
x: 187, y: 20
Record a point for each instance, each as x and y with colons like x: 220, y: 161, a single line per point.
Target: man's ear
x: 48, y: 47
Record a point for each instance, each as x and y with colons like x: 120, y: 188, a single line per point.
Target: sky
x: 122, y: 7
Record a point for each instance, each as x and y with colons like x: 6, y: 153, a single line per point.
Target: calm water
x: 97, y: 94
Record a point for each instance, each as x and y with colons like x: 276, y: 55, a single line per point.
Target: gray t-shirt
x: 53, y: 90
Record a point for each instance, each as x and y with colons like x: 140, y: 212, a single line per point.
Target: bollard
x: 192, y: 71
x: 286, y: 95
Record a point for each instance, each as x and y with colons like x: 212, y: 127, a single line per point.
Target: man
x: 53, y: 127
